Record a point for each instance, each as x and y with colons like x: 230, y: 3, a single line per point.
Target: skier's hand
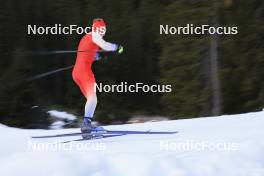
x: 120, y: 49
x: 97, y: 57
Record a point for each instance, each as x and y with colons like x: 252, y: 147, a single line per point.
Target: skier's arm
x: 98, y: 39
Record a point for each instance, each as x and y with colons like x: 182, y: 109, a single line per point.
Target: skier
x: 82, y: 73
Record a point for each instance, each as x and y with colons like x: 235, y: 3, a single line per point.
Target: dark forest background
x: 185, y: 62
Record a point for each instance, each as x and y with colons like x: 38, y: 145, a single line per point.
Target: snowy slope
x: 216, y: 146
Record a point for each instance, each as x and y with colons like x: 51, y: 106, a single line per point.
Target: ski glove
x: 97, y: 57
x: 120, y: 49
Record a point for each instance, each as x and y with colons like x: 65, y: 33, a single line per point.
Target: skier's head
x: 99, y: 26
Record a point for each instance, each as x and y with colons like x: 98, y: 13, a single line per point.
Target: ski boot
x: 87, y: 128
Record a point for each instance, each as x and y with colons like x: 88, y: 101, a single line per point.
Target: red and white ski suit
x: 82, y: 72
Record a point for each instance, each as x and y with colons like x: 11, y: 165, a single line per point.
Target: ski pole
x: 48, y: 73
x: 59, y: 69
x: 14, y: 85
x: 63, y: 52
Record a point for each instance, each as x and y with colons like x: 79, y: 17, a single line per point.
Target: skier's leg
x: 90, y: 106
x: 89, y: 112
x: 88, y: 86
x: 77, y: 79
x: 83, y: 90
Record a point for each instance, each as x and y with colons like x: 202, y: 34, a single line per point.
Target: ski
x: 139, y: 132
x: 101, y: 132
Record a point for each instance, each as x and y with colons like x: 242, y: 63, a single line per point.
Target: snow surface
x: 57, y: 125
x: 221, y: 146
